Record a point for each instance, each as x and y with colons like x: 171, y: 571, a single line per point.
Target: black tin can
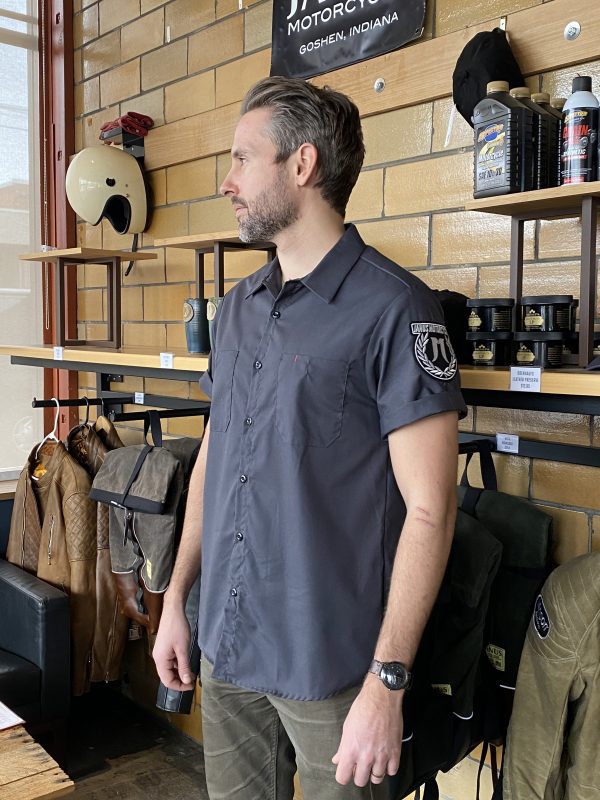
x: 551, y: 312
x: 196, y: 325
x: 538, y: 349
x: 571, y: 343
x: 490, y: 314
x: 490, y: 349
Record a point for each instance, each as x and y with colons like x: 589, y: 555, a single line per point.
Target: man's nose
x: 228, y: 186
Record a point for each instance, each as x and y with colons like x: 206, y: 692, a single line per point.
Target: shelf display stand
x: 84, y: 255
x: 577, y: 200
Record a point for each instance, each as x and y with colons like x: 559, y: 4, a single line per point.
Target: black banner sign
x: 315, y: 36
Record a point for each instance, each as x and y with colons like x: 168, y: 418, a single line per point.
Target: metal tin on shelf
x: 571, y: 344
x: 490, y: 349
x: 538, y: 349
x: 548, y: 313
x: 490, y: 314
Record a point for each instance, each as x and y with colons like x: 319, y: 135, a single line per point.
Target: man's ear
x: 305, y: 164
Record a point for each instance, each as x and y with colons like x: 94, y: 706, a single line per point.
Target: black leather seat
x: 34, y: 647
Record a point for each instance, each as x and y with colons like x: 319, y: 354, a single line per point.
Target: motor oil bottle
x: 540, y: 136
x: 579, y: 160
x: 554, y: 137
x: 503, y: 152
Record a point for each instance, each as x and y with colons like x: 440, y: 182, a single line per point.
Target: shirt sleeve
x: 412, y: 370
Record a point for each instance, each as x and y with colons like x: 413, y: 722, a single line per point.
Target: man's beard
x: 272, y: 212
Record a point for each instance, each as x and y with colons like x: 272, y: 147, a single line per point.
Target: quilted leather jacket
x: 53, y: 535
x: 89, y: 444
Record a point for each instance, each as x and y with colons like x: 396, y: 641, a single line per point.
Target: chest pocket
x: 222, y: 392
x: 310, y: 399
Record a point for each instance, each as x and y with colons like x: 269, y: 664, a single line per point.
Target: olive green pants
x: 253, y: 744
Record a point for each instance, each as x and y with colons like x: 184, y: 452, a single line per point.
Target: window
x: 20, y: 283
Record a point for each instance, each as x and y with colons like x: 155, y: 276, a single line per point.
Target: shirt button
x: 248, y: 421
x: 257, y: 365
x: 233, y: 592
x: 239, y: 536
x: 276, y: 314
x: 243, y: 478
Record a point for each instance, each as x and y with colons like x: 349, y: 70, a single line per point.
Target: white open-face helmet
x: 106, y: 182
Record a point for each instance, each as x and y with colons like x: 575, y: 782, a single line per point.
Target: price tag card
x: 166, y: 360
x: 58, y: 353
x: 507, y: 443
x: 138, y: 398
x: 526, y: 379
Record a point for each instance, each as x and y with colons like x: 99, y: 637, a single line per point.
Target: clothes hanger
x: 86, y: 422
x: 50, y: 436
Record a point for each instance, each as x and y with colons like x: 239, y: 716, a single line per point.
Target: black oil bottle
x: 580, y: 134
x: 503, y: 148
x: 541, y: 138
x: 554, y: 136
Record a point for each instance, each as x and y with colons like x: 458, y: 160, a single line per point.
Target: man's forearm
x: 187, y: 564
x: 418, y: 570
x: 427, y: 482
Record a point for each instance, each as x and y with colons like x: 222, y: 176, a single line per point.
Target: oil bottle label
x: 579, y: 145
x: 533, y: 321
x: 491, y: 155
x: 482, y: 353
x: 525, y: 355
x: 474, y: 321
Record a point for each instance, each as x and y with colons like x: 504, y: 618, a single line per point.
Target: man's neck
x: 305, y: 243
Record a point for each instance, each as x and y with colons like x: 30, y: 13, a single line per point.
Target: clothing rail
x: 83, y: 401
x: 202, y: 410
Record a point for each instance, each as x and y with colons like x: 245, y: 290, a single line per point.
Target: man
x: 333, y: 428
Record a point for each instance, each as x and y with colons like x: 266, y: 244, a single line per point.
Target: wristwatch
x: 394, y: 674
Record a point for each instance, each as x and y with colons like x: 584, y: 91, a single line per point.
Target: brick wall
x: 184, y: 58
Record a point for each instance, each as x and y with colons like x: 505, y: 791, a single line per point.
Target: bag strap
x: 135, y: 472
x: 431, y: 790
x: 486, y: 462
x: 152, y: 421
x: 488, y: 473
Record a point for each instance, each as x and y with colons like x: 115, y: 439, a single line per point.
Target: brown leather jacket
x: 89, y: 446
x: 53, y: 535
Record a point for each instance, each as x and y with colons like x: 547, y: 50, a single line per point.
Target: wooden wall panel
x: 195, y: 137
x: 423, y: 72
x: 412, y: 75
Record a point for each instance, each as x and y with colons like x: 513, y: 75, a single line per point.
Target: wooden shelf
x: 567, y: 381
x: 139, y: 357
x: 557, y: 201
x: 216, y: 243
x: 88, y: 254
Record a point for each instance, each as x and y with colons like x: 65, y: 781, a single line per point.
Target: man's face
x: 260, y: 190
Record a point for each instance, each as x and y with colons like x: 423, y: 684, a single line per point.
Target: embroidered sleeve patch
x: 433, y: 350
x: 541, y: 621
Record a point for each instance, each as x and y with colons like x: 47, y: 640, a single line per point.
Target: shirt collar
x: 329, y: 274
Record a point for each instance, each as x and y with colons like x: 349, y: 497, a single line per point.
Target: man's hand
x: 372, y: 736
x: 171, y: 650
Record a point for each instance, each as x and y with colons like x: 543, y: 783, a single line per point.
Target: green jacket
x: 552, y: 747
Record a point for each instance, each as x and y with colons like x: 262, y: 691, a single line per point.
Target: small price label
x: 138, y: 398
x: 58, y: 353
x: 507, y: 443
x: 526, y: 379
x: 166, y: 360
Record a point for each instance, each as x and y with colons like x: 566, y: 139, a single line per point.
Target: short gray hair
x: 303, y: 113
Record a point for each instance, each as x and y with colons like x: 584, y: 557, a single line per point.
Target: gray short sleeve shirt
x: 302, y: 514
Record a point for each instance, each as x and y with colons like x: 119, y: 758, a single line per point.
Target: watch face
x: 395, y: 675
